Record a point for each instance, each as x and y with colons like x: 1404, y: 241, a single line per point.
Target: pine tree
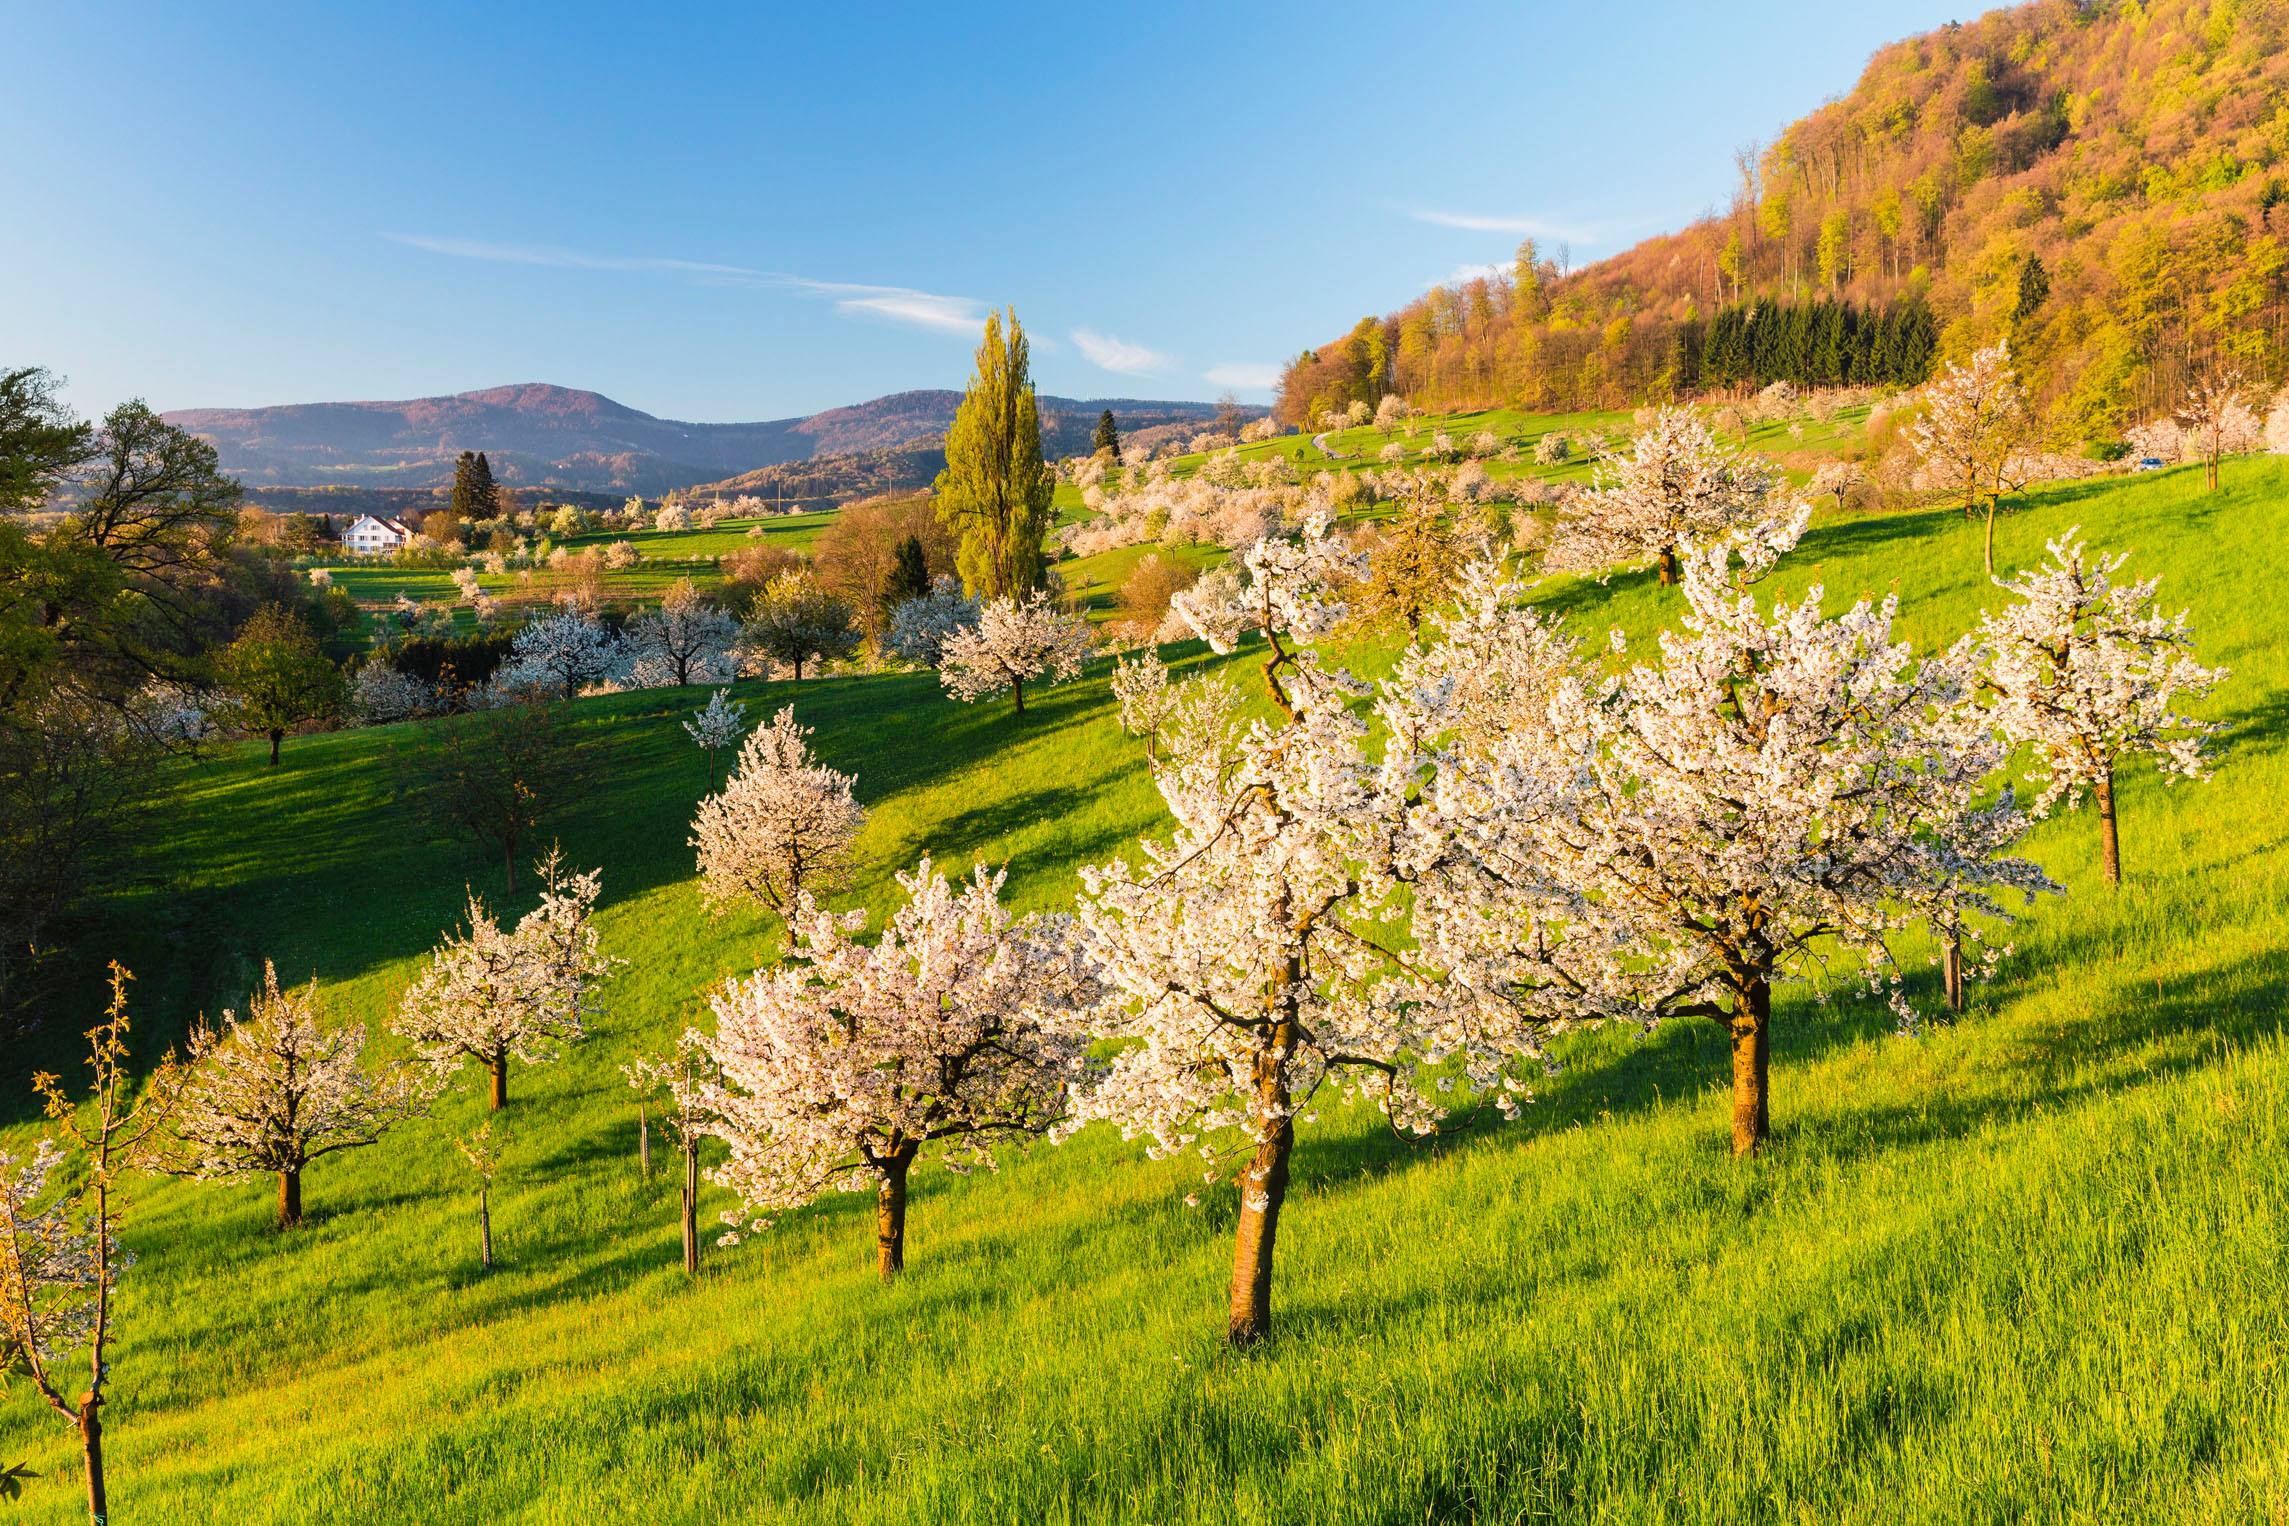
x: 1107, y: 436
x: 995, y: 490
x: 475, y: 495
x: 909, y: 575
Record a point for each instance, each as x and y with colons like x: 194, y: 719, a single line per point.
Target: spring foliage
x: 783, y: 823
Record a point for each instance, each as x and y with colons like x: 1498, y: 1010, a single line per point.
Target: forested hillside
x: 2102, y: 184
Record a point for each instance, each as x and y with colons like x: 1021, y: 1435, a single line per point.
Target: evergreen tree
x: 1108, y: 435
x: 995, y: 491
x: 475, y: 495
x: 909, y: 575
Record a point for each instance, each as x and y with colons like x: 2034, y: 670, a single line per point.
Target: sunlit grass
x: 2028, y: 1266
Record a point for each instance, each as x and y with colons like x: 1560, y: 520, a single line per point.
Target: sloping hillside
x: 2102, y: 183
x: 2027, y: 1266
x: 562, y: 437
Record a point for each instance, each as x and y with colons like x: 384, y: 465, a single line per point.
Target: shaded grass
x: 2027, y: 1267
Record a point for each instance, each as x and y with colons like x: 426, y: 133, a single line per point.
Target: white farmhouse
x: 376, y: 537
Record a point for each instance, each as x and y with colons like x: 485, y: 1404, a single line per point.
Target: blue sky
x: 763, y: 210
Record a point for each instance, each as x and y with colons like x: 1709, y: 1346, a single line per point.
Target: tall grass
x: 2029, y: 1266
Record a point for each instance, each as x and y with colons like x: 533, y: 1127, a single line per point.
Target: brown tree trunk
x: 1017, y: 687
x: 275, y: 738
x: 1263, y: 1190
x: 289, y: 1198
x: 1666, y: 568
x: 2109, y: 840
x: 890, y: 1215
x: 691, y: 1206
x: 1954, y: 972
x: 1990, y: 551
x: 500, y: 1082
x: 485, y: 1227
x: 643, y: 1142
x: 91, y: 1448
x: 1752, y: 1068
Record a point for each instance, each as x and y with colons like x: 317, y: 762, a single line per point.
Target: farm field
x: 2027, y: 1265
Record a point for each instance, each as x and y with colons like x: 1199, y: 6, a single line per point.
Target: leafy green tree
x: 277, y: 677
x: 909, y: 575
x: 1107, y: 435
x: 995, y: 491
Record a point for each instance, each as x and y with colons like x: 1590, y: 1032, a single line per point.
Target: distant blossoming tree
x: 920, y: 627
x: 795, y: 621
x: 2090, y: 672
x: 782, y: 825
x: 1142, y: 692
x: 269, y: 1093
x: 2218, y: 419
x: 685, y: 640
x: 563, y: 652
x: 841, y: 1065
x: 492, y: 994
x: 718, y: 724
x: 678, y: 1084
x: 1975, y: 427
x: 1016, y: 642
x: 1677, y: 483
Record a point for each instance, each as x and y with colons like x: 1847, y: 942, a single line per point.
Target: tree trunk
x: 1990, y: 551
x: 2109, y: 841
x: 890, y: 1216
x: 1263, y: 1191
x: 1954, y: 973
x: 275, y: 738
x: 643, y: 1142
x: 1666, y: 568
x: 289, y: 1198
x: 500, y: 1082
x: 691, y: 1206
x: 1017, y: 687
x: 1752, y: 1067
x: 91, y: 1448
x: 485, y: 1227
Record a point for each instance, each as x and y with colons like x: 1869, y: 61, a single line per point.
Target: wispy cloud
x: 1463, y: 275
x: 1523, y: 227
x: 1241, y: 376
x: 1109, y: 354
x: 898, y: 304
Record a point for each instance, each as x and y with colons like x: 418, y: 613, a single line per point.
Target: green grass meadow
x: 2027, y: 1266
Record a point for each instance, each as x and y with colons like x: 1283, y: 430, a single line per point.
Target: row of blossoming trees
x: 1393, y: 891
x: 1406, y: 909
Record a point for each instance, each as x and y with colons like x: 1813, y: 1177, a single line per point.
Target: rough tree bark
x: 1263, y: 1190
x: 1752, y: 1067
x: 1017, y: 688
x: 1953, y: 970
x: 1666, y: 567
x: 91, y: 1448
x: 2109, y: 840
x: 500, y: 1082
x: 691, y: 1206
x: 289, y: 1198
x: 890, y: 1214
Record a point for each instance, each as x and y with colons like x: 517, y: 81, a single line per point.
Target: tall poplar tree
x: 995, y: 490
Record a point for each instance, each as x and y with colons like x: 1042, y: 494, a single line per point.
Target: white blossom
x: 685, y: 640
x: 564, y: 652
x: 277, y: 1089
x: 1016, y: 642
x: 843, y: 1063
x: 1678, y: 483
x: 919, y: 626
x: 783, y: 824
x: 493, y: 994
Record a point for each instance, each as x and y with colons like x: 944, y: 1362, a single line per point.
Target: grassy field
x: 2029, y: 1266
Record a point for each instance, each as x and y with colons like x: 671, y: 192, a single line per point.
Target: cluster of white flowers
x: 277, y: 1089
x: 50, y: 1265
x: 672, y: 516
x: 1142, y: 692
x: 843, y: 1063
x: 1677, y: 484
x: 919, y: 627
x: 561, y: 653
x: 684, y: 639
x: 2090, y: 671
x: 783, y: 824
x: 382, y: 693
x: 1553, y: 449
x: 1015, y: 642
x: 492, y: 994
x: 621, y: 555
x: 1265, y: 428
x: 1196, y: 510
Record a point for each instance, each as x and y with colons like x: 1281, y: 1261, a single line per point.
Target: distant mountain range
x: 544, y: 436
